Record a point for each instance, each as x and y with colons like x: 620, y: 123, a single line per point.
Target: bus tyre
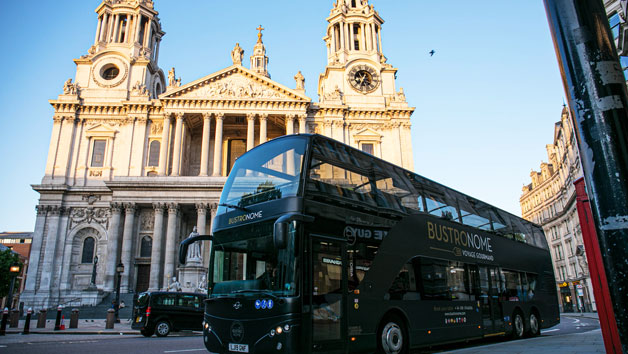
x: 535, y: 328
x: 392, y: 338
x: 162, y: 328
x: 147, y: 332
x: 518, y: 327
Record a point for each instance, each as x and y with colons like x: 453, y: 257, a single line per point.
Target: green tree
x: 7, y: 259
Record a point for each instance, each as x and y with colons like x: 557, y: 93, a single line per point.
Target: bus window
x: 433, y: 279
x: 404, y: 285
x: 513, y: 286
x: 471, y: 219
x: 360, y: 258
x: 532, y: 280
x: 457, y: 281
x: 437, y: 207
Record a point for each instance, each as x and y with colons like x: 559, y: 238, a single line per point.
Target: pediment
x: 100, y: 130
x: 234, y: 83
x: 367, y: 134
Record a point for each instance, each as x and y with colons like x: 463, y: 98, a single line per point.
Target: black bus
x: 320, y: 247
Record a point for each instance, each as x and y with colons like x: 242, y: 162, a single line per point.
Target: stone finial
x: 300, y: 81
x: 236, y: 54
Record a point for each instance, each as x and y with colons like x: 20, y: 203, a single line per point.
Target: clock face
x: 363, y: 78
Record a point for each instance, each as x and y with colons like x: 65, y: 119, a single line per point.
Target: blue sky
x: 486, y: 102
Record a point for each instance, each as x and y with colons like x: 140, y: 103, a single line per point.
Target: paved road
x: 575, y: 334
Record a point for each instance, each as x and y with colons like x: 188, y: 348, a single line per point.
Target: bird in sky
x: 432, y: 52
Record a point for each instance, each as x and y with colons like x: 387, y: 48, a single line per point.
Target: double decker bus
x: 318, y: 247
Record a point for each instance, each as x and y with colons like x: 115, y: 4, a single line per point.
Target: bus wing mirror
x: 280, y: 231
x: 183, y: 247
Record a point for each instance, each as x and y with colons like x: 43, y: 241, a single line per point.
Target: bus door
x: 329, y: 323
x: 492, y: 319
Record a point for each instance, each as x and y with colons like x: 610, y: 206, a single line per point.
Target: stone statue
x: 236, y: 54
x: 171, y: 78
x: 300, y: 81
x: 174, y: 285
x: 194, y: 250
x: 69, y: 88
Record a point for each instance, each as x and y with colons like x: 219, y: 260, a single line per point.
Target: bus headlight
x: 279, y: 330
x: 286, y: 328
x: 272, y: 332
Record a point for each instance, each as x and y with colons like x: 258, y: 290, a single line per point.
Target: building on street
x: 138, y: 158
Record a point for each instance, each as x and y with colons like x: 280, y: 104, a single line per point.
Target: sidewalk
x: 85, y: 326
x: 576, y: 343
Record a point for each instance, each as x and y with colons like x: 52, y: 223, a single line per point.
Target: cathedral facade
x: 137, y: 158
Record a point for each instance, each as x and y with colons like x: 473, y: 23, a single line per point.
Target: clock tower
x: 357, y: 91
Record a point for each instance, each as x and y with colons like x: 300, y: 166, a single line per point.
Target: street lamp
x: 93, y: 282
x: 119, y: 270
x: 14, y: 270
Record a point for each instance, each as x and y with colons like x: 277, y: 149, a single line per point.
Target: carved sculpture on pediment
x: 236, y: 87
x: 147, y: 220
x: 139, y: 89
x: 69, y: 88
x: 156, y: 128
x: 236, y: 54
x: 89, y: 215
x: 336, y: 94
x: 399, y: 96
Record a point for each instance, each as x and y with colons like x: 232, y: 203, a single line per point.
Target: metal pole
x: 596, y: 90
x: 10, y: 296
x: 117, y: 304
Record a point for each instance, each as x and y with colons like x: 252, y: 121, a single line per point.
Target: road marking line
x: 184, y: 350
x: 551, y: 330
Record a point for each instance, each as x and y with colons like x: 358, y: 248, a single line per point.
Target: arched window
x: 88, y: 250
x: 153, y: 153
x: 146, y: 247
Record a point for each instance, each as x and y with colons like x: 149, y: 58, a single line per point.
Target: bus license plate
x: 240, y: 348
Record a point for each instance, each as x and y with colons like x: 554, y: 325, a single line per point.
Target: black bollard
x: 3, y: 324
x: 58, y: 320
x: 27, y: 322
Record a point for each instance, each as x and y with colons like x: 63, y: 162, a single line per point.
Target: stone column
x: 127, y: 246
x: 302, y: 118
x: 250, y: 131
x: 342, y: 36
x: 163, y: 151
x: 379, y: 39
x: 373, y: 37
x: 176, y: 154
x: 201, y: 218
x: 205, y: 144
x: 156, y: 263
x: 98, y: 30
x: 38, y: 237
x: 206, y: 253
x: 54, y: 146
x: 112, y: 246
x: 218, y: 145
x: 50, y: 251
x: 290, y: 124
x: 263, y: 128
x: 170, y: 250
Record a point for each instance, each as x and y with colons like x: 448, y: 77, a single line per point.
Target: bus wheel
x: 392, y: 338
x: 534, y: 325
x: 162, y: 328
x: 517, y: 326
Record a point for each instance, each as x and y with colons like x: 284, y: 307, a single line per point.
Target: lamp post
x: 14, y: 270
x: 93, y: 282
x: 119, y: 270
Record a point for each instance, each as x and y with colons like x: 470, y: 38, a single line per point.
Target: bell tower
x: 123, y: 60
